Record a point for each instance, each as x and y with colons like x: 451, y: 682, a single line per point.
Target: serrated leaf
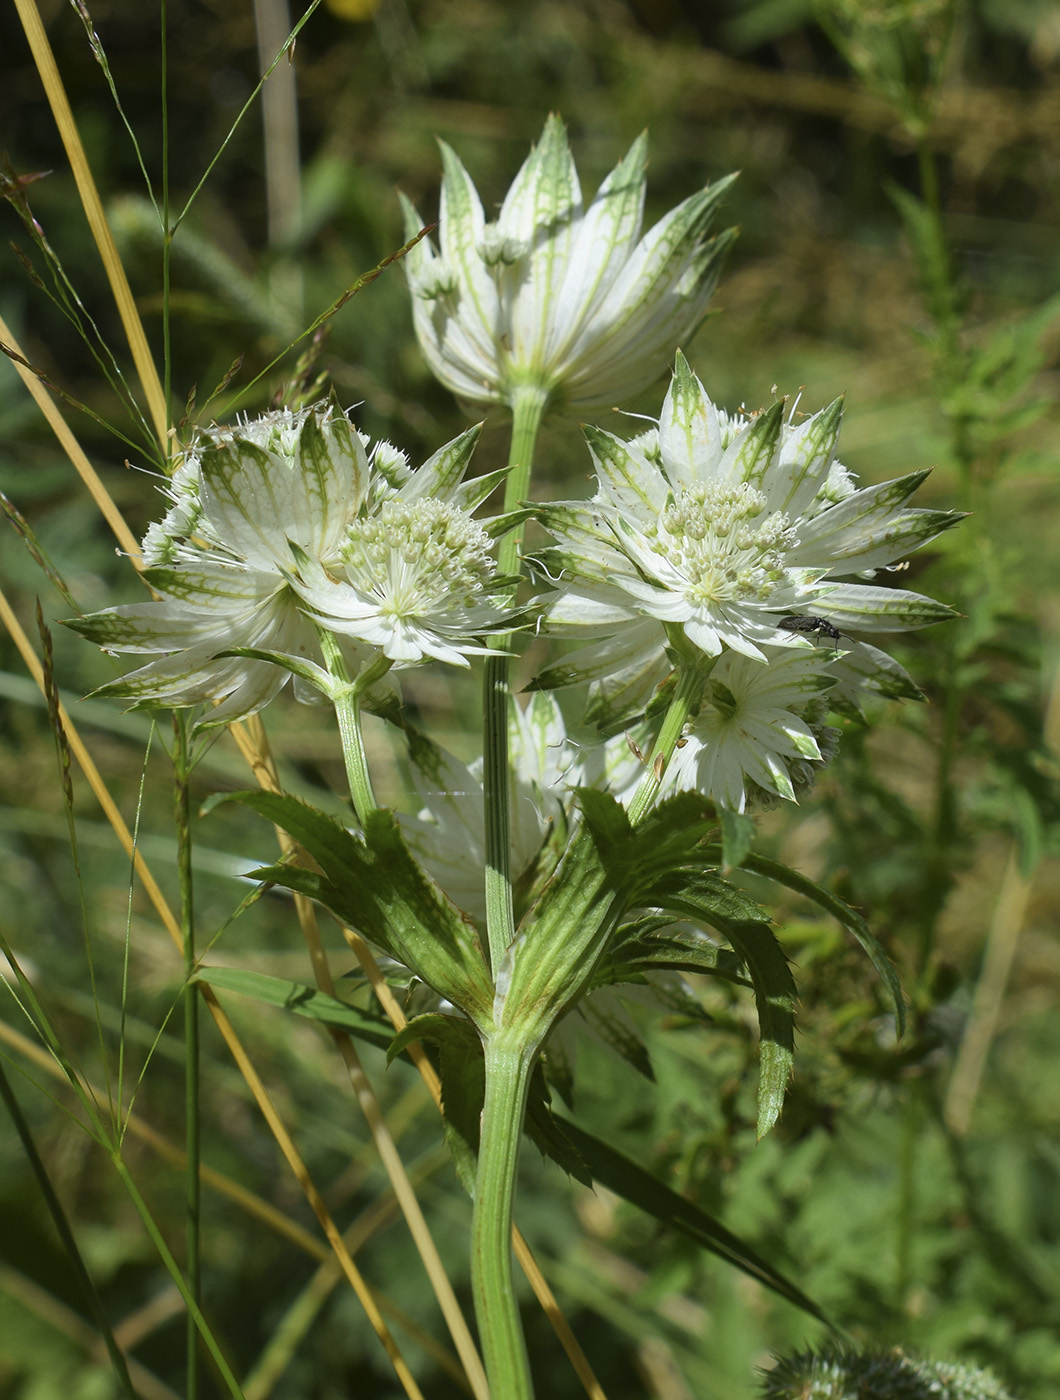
x: 670, y: 834
x: 612, y: 1024
x: 774, y: 989
x: 376, y: 885
x: 701, y: 896
x: 655, y: 952
x: 543, y: 1129
x: 714, y: 899
x: 605, y: 816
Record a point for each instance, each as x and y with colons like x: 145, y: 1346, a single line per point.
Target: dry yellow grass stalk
x: 97, y: 220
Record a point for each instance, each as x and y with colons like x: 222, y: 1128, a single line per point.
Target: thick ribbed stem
x: 508, y: 1068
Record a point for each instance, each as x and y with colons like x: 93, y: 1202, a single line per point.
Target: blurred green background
x: 912, y: 1190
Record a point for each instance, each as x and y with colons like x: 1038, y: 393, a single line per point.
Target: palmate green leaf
x: 303, y: 1000
x: 375, y: 885
x: 849, y: 918
x: 640, y: 1188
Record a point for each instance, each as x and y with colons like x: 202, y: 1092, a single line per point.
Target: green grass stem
x: 66, y: 1235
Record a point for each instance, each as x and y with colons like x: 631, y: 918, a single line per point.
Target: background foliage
x: 914, y: 1191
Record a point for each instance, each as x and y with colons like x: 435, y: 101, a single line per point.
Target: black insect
x: 818, y: 625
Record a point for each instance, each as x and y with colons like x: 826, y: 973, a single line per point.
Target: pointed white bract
x: 738, y: 531
x: 565, y: 299
x: 760, y: 733
x: 283, y: 523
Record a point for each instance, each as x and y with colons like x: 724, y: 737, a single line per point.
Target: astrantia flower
x: 248, y: 502
x: 726, y: 528
x: 418, y: 582
x: 219, y: 560
x: 567, y: 299
x: 760, y: 732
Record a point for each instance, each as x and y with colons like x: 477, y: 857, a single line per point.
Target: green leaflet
x: 618, y: 867
x: 774, y: 989
x: 737, y: 836
x: 546, y: 1131
x: 717, y: 902
x: 648, y: 948
x: 703, y: 896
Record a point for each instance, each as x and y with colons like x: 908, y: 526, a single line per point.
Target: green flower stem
x: 66, y: 1234
x: 509, y: 1065
x: 346, y: 696
x: 192, y: 1187
x: 692, y: 674
x: 225, y: 1371
x: 528, y: 408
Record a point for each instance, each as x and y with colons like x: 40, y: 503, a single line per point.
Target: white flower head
x: 416, y: 579
x: 567, y: 299
x: 218, y: 562
x: 736, y: 531
x: 248, y: 504
x: 760, y: 732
